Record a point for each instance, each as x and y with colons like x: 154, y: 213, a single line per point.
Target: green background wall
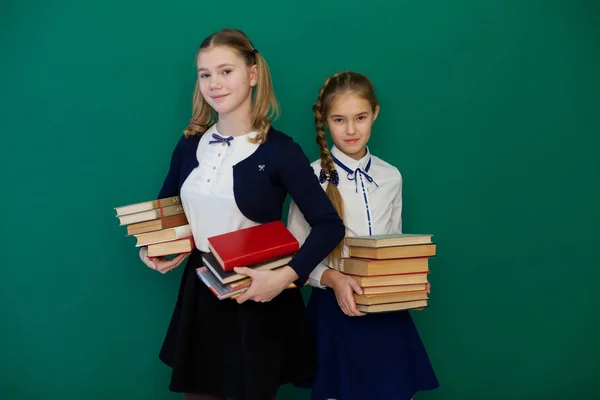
x: 489, y: 109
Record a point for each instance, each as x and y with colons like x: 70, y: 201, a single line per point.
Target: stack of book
x: 159, y: 224
x: 392, y: 270
x: 262, y: 247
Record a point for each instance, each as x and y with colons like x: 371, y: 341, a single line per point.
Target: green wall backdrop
x: 489, y: 109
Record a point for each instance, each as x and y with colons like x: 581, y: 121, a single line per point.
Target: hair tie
x: 254, y: 51
x: 333, y: 177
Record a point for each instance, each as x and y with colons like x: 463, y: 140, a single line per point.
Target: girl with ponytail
x: 233, y: 170
x: 374, y: 356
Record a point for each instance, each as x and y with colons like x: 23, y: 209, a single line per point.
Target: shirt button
x: 219, y: 154
x: 223, y: 144
x: 208, y: 180
x: 214, y: 167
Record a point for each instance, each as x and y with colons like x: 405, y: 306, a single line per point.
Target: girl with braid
x: 360, y: 357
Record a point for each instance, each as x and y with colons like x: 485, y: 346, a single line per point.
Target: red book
x: 253, y: 245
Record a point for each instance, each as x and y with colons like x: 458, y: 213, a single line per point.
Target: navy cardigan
x: 261, y: 183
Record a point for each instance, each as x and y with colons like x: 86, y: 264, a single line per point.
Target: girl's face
x: 225, y: 80
x: 349, y: 121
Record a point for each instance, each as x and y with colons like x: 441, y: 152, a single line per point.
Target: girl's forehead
x: 348, y: 103
x: 216, y: 56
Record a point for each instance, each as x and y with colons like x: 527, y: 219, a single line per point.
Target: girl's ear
x: 254, y: 74
x: 376, y: 113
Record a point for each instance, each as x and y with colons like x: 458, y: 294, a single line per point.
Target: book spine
x: 171, y: 201
x: 182, y: 231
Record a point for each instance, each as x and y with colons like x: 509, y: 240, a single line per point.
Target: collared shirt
x: 371, y: 206
x: 262, y: 182
x: 207, y: 193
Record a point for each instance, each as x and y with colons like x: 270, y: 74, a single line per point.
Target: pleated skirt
x: 376, y: 356
x: 243, y: 351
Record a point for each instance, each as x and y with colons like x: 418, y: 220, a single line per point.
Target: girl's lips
x: 351, y: 141
x: 219, y: 97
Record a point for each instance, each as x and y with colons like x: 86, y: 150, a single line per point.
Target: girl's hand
x: 161, y: 264
x: 266, y: 284
x: 344, y: 287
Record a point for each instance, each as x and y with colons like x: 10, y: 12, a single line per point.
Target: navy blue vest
x: 261, y: 183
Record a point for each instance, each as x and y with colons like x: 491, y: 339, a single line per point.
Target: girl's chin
x: 354, y: 151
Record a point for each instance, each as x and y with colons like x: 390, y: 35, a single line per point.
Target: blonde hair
x: 264, y: 104
x: 341, y: 83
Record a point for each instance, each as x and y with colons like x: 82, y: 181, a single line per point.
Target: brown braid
x: 329, y: 167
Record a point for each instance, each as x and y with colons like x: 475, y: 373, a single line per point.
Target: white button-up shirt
x: 207, y: 193
x: 370, y: 207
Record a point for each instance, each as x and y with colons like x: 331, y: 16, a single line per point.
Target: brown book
x: 390, y: 298
x: 150, y: 215
x: 366, y: 267
x: 165, y: 235
x: 395, y: 288
x: 390, y: 280
x: 173, y: 247
x: 147, y: 206
x: 396, y: 239
x: 157, y: 224
x: 240, y: 283
x: 403, y: 305
x: 386, y: 253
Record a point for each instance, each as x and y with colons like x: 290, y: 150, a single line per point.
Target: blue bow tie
x: 352, y: 175
x: 221, y: 139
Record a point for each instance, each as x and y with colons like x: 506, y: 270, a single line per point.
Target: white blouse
x: 207, y: 193
x: 372, y: 202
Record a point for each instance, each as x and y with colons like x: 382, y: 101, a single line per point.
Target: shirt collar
x: 351, y: 162
x: 236, y: 139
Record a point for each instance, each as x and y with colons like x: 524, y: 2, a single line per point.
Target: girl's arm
x: 300, y: 229
x: 169, y: 188
x: 170, y: 185
x: 396, y: 217
x: 326, y: 227
x: 323, y: 276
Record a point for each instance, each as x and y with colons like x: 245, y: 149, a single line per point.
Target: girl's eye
x: 362, y: 117
x: 203, y: 75
x: 337, y: 120
x: 226, y: 71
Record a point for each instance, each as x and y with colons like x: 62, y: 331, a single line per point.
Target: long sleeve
x: 170, y: 185
x: 300, y: 229
x: 326, y: 227
x: 396, y: 218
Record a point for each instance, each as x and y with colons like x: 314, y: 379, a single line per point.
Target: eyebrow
x: 342, y: 116
x: 218, y: 66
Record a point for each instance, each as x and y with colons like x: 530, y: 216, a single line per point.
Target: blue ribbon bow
x: 352, y: 175
x: 221, y: 139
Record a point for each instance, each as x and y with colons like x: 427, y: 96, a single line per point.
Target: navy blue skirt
x: 377, y: 356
